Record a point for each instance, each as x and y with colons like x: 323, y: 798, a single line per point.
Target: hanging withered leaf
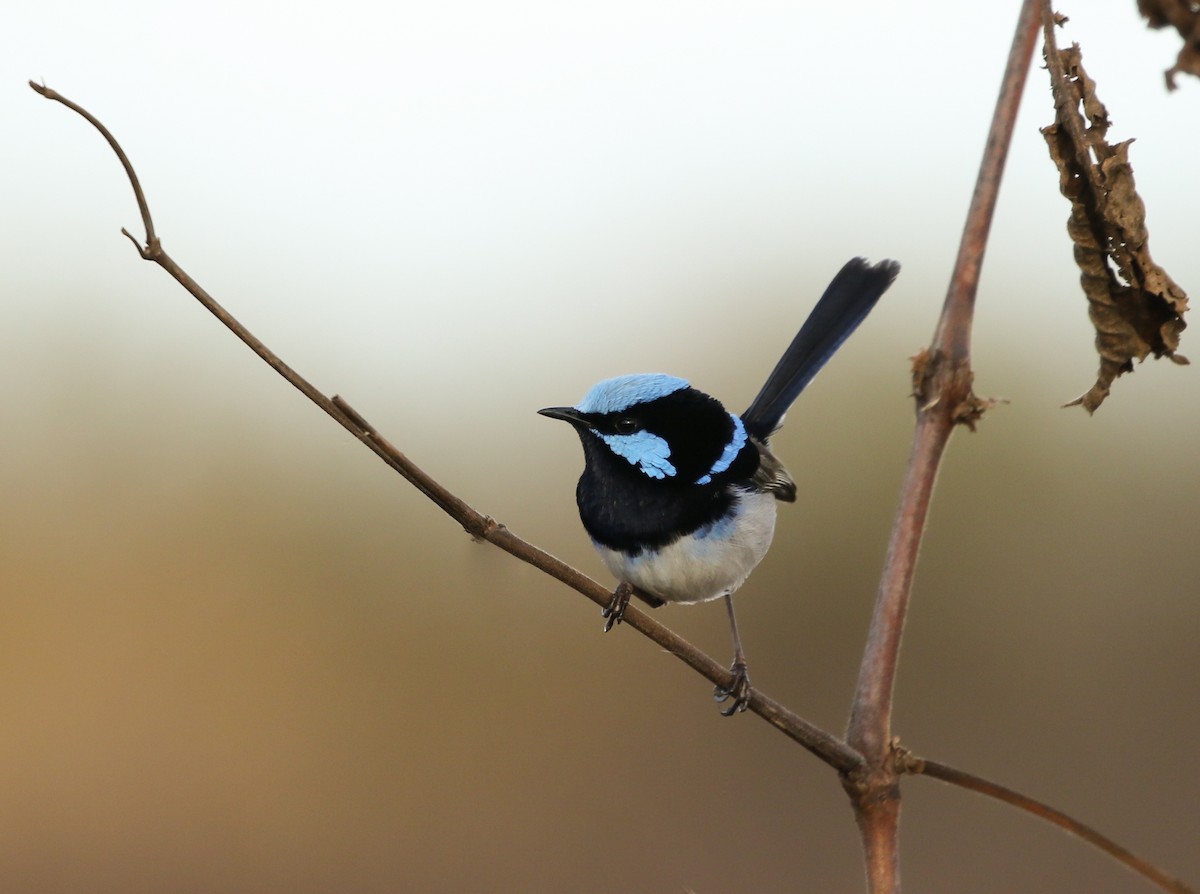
x: 1184, y: 17
x: 1135, y: 307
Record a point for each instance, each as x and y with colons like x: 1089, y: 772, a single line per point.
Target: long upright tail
x: 846, y: 302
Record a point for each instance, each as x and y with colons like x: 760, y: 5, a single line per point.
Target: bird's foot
x: 614, y: 612
x: 738, y: 690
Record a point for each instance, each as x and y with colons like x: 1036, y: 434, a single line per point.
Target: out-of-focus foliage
x: 1184, y: 17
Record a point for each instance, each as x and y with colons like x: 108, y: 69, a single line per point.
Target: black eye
x: 625, y: 425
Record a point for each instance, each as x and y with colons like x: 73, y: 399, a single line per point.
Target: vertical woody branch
x: 942, y: 380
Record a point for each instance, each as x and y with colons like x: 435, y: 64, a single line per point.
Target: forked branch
x: 862, y: 777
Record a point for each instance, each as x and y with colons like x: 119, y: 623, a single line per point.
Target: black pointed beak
x: 566, y: 414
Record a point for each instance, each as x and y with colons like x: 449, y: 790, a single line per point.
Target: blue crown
x: 623, y: 392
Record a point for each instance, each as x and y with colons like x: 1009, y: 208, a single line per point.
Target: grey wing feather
x: 771, y: 476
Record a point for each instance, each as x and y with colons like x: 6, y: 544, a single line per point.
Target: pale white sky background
x: 453, y: 214
x: 423, y: 192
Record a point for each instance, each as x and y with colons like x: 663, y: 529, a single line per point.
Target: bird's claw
x: 614, y: 612
x: 738, y: 690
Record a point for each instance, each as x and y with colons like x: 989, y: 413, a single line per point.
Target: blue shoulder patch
x: 732, y: 449
x: 621, y: 393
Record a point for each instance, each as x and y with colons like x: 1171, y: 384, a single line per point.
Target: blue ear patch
x: 647, y: 451
x: 729, y: 454
x: 621, y: 393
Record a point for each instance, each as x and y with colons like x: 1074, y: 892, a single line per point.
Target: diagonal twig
x: 824, y: 745
x: 948, y: 774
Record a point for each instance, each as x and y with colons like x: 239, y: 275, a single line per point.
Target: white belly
x: 707, y: 563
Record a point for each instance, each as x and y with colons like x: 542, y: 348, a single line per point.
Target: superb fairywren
x: 677, y: 494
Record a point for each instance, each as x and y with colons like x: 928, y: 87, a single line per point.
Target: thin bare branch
x: 1142, y: 867
x: 143, y: 207
x: 824, y: 745
x: 953, y: 335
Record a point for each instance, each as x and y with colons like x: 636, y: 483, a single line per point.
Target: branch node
x: 483, y: 529
x: 920, y: 372
x: 353, y: 416
x: 970, y: 409
x: 936, y: 377
x: 903, y: 760
x: 151, y: 251
x: 141, y: 250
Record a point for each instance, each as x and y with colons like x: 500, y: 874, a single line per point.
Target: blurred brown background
x: 237, y: 654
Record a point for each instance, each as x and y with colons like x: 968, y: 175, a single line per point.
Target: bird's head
x: 660, y: 426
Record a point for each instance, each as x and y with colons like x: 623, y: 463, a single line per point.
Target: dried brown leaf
x: 1135, y: 307
x: 1184, y: 17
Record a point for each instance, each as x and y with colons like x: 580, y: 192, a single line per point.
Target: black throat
x: 626, y: 510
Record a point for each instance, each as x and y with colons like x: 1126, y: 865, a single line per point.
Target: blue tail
x: 846, y: 302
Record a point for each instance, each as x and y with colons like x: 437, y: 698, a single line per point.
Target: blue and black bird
x: 678, y: 494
